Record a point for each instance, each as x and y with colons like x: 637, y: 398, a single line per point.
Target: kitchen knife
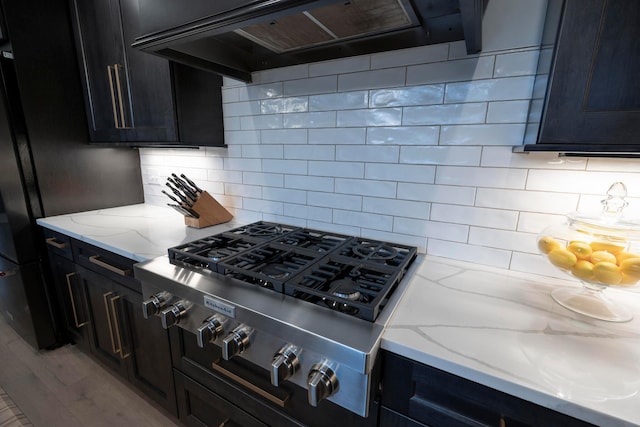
x: 182, y: 198
x: 192, y: 184
x: 186, y: 191
x: 185, y: 187
x: 170, y: 196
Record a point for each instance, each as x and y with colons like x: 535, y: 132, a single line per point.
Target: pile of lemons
x: 597, y: 262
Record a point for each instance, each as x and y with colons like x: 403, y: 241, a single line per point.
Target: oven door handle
x: 280, y: 401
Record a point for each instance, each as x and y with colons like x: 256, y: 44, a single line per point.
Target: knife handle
x: 191, y: 183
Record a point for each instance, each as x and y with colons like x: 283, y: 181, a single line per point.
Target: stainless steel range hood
x: 237, y: 37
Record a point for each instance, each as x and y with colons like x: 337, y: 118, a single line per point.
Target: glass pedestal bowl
x: 601, y: 251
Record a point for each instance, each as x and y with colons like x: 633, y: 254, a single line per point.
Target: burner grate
x: 384, y: 253
x: 208, y: 252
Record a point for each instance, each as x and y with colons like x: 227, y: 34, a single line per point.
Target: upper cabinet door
x: 128, y: 93
x: 593, y: 97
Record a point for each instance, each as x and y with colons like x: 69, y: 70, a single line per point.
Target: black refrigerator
x: 47, y: 166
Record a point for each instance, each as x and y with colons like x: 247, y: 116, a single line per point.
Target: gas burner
x: 263, y: 230
x: 345, y: 289
x: 375, y: 251
x: 276, y: 271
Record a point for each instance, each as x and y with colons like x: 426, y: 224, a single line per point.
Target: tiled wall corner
x: 412, y: 146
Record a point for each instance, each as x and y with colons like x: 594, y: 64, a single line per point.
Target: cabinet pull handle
x: 113, y: 98
x: 503, y: 423
x: 123, y: 122
x: 108, y: 312
x: 95, y: 259
x: 275, y: 399
x: 73, y: 304
x: 51, y: 241
x: 117, y: 328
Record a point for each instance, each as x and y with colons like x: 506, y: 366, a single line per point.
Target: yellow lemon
x: 613, y: 248
x: 628, y: 280
x: 583, y: 269
x: 546, y: 244
x: 631, y: 267
x: 603, y: 256
x: 562, y: 258
x: 582, y: 250
x: 621, y: 256
x: 607, y: 273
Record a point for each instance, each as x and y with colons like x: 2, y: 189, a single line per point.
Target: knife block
x: 211, y: 212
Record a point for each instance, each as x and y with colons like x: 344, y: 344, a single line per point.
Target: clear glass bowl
x: 601, y: 251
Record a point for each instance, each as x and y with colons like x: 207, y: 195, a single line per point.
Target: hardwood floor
x: 65, y: 387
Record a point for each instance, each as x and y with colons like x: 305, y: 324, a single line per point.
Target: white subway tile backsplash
x: 412, y: 146
x: 310, y: 152
x: 284, y: 136
x: 284, y: 195
x: 503, y: 239
x: 298, y: 167
x: 311, y: 86
x: 397, y: 208
x: 401, y: 97
x: 489, y: 90
x: 366, y: 187
x: 411, y: 56
x: 321, y: 119
x: 481, y: 177
x: 530, y: 201
x: 508, y: 111
x: 332, y: 200
x: 315, y: 183
x: 337, y: 169
x: 471, y: 215
x: 441, y: 155
x: 493, y: 134
x: 400, y: 172
x: 479, y: 254
x: 339, y: 101
x: 368, y: 153
x: 262, y: 151
x: 445, y: 114
x: 388, y: 77
x: 337, y: 136
x: 404, y: 135
x: 339, y: 66
x: 516, y: 64
x: 369, y: 117
x: 362, y: 219
x: 436, y: 193
x: 451, y: 71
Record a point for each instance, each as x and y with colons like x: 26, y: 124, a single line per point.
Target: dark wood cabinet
x: 415, y: 394
x: 137, y: 98
x: 101, y: 304
x: 592, y: 103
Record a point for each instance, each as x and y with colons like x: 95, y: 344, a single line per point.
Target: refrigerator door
x: 23, y: 303
x: 17, y: 240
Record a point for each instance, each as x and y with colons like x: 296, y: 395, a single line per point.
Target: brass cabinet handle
x: 95, y: 259
x: 52, y: 242
x: 108, y: 312
x: 123, y: 123
x: 113, y: 97
x: 117, y: 328
x: 73, y: 304
x: 275, y: 399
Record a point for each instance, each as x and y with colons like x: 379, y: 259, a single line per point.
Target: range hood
x: 236, y: 37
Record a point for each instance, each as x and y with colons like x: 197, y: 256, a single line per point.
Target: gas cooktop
x: 349, y: 274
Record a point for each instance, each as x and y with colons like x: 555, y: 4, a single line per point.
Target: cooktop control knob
x: 322, y: 383
x: 210, y: 329
x: 171, y: 315
x: 236, y: 342
x: 154, y: 304
x: 285, y: 363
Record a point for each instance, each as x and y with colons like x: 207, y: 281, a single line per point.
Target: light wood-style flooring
x: 65, y: 387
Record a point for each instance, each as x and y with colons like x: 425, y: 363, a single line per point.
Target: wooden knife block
x: 211, y: 212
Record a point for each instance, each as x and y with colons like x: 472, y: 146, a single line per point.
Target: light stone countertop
x: 492, y: 326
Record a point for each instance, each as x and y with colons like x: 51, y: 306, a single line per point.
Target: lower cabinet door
x: 198, y: 406
x: 149, y: 365
x: 103, y: 331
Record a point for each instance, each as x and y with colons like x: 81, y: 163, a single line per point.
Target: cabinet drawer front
x: 58, y: 243
x: 113, y: 266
